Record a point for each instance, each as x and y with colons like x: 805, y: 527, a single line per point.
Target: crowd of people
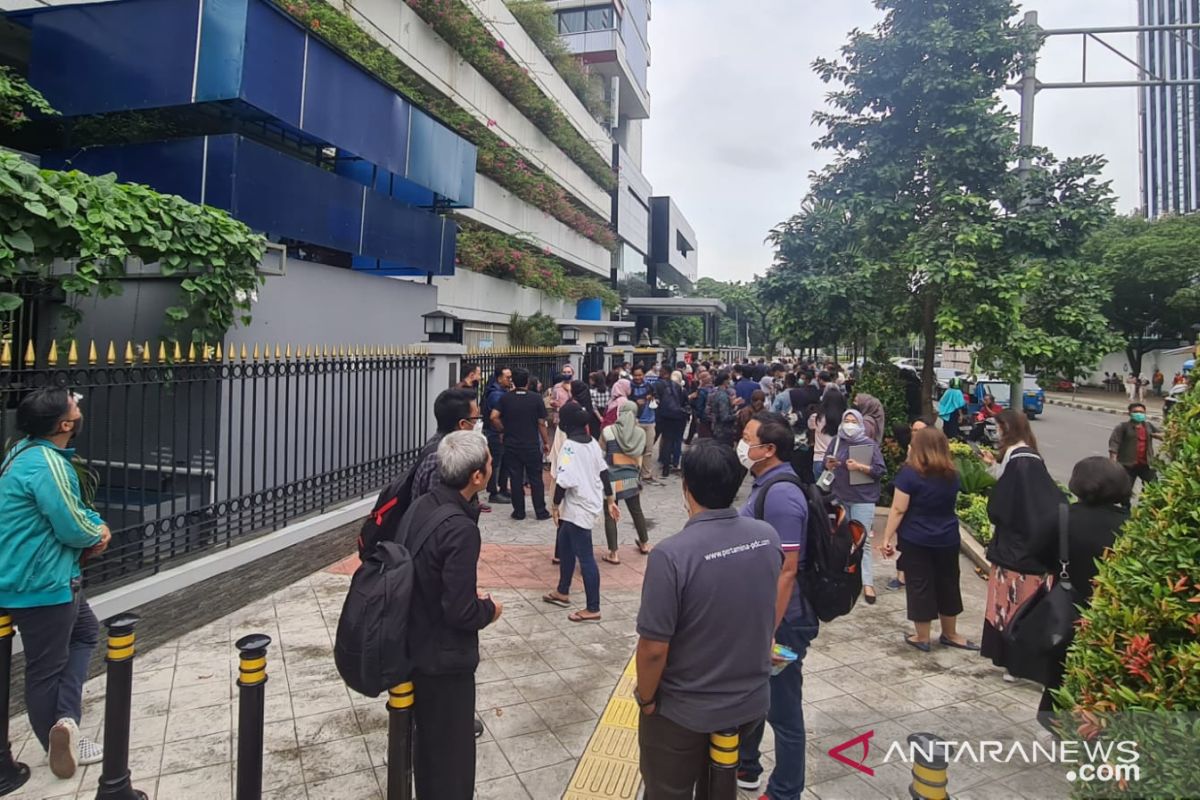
x: 725, y: 618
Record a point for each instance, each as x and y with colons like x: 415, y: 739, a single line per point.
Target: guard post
x: 929, y: 767
x: 400, y: 729
x: 722, y: 765
x: 13, y: 774
x: 114, y: 777
x: 252, y: 699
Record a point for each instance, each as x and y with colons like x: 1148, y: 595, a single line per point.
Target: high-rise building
x: 1169, y: 115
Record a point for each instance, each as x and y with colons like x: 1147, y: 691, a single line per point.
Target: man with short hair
x: 447, y: 613
x: 744, y: 385
x: 766, y: 450
x: 705, y: 628
x: 1132, y: 445
x: 500, y: 385
x: 520, y: 416
x: 470, y: 377
x: 642, y: 393
x: 45, y: 530
x: 454, y: 410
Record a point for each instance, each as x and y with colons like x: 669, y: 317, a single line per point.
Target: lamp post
x: 441, y: 326
x: 624, y: 337
x: 601, y: 338
x: 570, y: 335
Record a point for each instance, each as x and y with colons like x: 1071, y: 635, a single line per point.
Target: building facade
x: 1169, y: 115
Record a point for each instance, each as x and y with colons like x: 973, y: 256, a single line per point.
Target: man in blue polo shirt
x: 766, y: 450
x: 744, y: 385
x: 642, y: 393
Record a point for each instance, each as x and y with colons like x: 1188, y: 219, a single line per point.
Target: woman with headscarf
x: 1023, y: 508
x: 857, y: 483
x: 623, y: 443
x: 582, y: 393
x: 618, y: 397
x: 872, y: 411
x: 950, y: 409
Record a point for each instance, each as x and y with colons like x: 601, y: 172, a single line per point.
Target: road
x: 1066, y: 435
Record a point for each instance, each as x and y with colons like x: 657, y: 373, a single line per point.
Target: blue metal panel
x: 274, y: 64
x: 441, y: 160
x: 170, y: 167
x: 116, y: 56
x: 222, y: 49
x: 344, y: 105
x: 220, y: 158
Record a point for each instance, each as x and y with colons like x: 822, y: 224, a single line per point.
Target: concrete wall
x: 498, y: 208
x: 396, y: 26
x: 1169, y: 361
x: 482, y: 298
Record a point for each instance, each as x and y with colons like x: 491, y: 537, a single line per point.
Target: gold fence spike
x: 308, y: 351
x: 287, y: 353
x: 191, y: 352
x: 73, y: 354
x: 245, y: 353
x: 30, y: 354
x: 6, y: 354
x: 129, y: 357
x: 178, y: 353
x: 52, y: 356
x: 204, y: 352
x: 342, y: 353
x: 111, y: 355
x: 278, y: 351
x: 146, y: 352
x: 92, y: 356
x: 217, y: 353
x: 256, y: 352
x: 162, y: 352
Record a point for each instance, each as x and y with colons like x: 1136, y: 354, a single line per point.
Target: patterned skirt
x: 1007, y: 591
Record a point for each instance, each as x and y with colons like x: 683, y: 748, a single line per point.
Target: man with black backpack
x: 766, y: 450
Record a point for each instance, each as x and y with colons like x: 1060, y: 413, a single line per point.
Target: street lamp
x: 570, y: 335
x: 441, y: 326
x: 624, y: 337
x: 656, y: 342
x: 600, y: 337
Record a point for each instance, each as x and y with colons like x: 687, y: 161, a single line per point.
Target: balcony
x: 605, y: 53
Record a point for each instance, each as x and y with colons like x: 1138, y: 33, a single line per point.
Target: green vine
x: 496, y: 159
x: 540, y: 22
x: 17, y: 98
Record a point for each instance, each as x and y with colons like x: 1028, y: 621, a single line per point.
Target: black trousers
x: 931, y: 586
x: 444, y: 757
x: 499, y: 480
x: 1142, y: 471
x: 674, y: 760
x: 525, y: 464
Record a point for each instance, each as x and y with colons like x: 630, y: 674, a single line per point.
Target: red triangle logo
x: 865, y: 741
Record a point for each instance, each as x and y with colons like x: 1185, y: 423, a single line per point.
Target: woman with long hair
x: 923, y: 525
x: 623, y: 443
x: 1023, y: 508
x: 857, y: 495
x: 824, y: 425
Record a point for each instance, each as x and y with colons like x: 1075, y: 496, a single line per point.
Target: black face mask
x: 76, y: 427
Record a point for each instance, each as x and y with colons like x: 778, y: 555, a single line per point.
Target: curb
x: 1086, y: 407
x: 973, y: 549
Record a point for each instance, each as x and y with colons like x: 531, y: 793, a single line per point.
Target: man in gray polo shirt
x: 706, y: 627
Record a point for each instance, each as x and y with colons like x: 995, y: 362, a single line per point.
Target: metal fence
x: 544, y: 364
x: 198, y: 449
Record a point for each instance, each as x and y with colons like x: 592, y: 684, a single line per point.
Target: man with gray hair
x: 446, y: 615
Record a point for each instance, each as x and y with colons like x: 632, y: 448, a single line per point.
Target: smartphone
x: 975, y: 447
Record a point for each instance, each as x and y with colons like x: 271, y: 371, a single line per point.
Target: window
x: 600, y: 19
x: 572, y: 21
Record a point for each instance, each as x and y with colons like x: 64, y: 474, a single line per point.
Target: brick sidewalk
x: 542, y: 684
x: 1105, y: 402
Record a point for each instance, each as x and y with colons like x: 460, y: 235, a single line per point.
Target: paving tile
x: 183, y: 755
x: 559, y: 711
x: 207, y: 783
x: 188, y: 724
x: 575, y: 737
x: 497, y: 694
x: 490, y: 762
x: 359, y: 785
x: 522, y: 665
x: 541, y: 687
x: 320, y: 700
x: 332, y: 759
x: 512, y: 721
x: 508, y: 788
x: 327, y: 727
x: 547, y: 783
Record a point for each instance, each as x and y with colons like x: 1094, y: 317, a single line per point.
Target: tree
x: 922, y: 188
x: 536, y: 330
x: 1153, y: 272
x: 747, y: 311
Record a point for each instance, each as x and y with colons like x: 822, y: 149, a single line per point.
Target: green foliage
x: 466, y: 33
x: 973, y: 474
x: 99, y: 223
x: 503, y: 256
x: 536, y: 330
x: 676, y: 330
x: 883, y: 381
x: 745, y: 306
x: 17, y: 98
x: 1152, y: 270
x: 1133, y: 671
x: 540, y: 22
x: 496, y: 159
x: 972, y: 512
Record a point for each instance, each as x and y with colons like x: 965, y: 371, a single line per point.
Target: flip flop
x: 911, y: 642
x: 577, y: 617
x: 607, y: 559
x: 644, y: 548
x: 555, y: 601
x: 968, y: 645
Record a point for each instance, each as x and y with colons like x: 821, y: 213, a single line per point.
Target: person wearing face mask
x: 454, y: 410
x: 705, y: 628
x: 46, y: 529
x: 1132, y: 445
x: 859, y: 493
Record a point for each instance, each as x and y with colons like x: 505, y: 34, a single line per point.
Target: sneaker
x: 747, y: 781
x: 543, y: 515
x: 500, y: 499
x: 484, y: 508
x: 89, y: 751
x: 64, y: 748
x: 517, y: 516
x: 1009, y: 677
x: 478, y: 728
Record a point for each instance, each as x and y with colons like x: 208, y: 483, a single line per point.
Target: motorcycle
x: 985, y: 430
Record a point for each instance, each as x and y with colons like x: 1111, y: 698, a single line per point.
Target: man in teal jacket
x: 45, y: 529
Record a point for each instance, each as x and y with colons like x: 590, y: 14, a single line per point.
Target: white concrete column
x: 445, y: 363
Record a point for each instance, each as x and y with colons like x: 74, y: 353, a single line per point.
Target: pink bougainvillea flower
x: 316, y: 24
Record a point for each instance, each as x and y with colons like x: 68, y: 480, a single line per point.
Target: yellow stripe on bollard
x: 120, y: 654
x: 252, y: 678
x: 250, y: 664
x: 115, y: 642
x: 723, y: 748
x: 929, y: 780
x: 401, y: 696
x: 931, y: 776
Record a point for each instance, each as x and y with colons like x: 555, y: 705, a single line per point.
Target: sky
x: 733, y: 92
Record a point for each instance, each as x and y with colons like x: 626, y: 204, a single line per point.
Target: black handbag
x: 1037, y: 636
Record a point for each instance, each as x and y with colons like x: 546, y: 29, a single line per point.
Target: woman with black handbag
x: 1023, y: 508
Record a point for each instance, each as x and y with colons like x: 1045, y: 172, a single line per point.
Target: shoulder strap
x: 760, y: 502
x: 415, y: 541
x: 1064, y: 553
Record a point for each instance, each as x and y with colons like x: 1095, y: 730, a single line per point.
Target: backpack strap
x: 414, y: 541
x: 760, y: 502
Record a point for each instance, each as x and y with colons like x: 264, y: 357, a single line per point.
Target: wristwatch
x: 643, y: 703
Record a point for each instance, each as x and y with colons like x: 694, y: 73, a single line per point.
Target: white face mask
x: 478, y: 426
x: 852, y: 430
x: 743, y: 454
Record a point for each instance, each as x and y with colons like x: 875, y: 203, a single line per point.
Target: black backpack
x: 371, y: 647
x: 832, y: 577
x: 383, y: 522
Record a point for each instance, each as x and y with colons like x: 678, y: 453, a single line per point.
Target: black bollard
x: 929, y: 768
x: 252, y: 698
x: 400, y: 730
x: 118, y: 700
x: 13, y: 774
x: 722, y: 765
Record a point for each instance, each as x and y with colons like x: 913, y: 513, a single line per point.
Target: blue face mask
x: 1138, y: 416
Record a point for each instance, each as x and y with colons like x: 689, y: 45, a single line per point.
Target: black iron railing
x: 544, y: 364
x: 199, y: 448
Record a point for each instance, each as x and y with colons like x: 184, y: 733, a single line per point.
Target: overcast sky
x: 733, y: 92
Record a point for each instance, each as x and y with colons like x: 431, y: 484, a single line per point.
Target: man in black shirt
x: 520, y: 416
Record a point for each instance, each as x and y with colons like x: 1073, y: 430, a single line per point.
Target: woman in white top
x: 825, y: 427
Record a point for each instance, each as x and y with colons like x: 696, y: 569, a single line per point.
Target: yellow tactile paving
x: 609, y: 765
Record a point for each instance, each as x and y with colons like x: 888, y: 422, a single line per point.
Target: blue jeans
x: 865, y: 513
x: 786, y: 716
x: 575, y: 542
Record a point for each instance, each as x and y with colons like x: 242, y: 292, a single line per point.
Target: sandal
x: 911, y: 642
x: 555, y: 600
x: 967, y: 644
x: 644, y: 548
x: 578, y: 616
x: 607, y: 559
x: 556, y: 561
